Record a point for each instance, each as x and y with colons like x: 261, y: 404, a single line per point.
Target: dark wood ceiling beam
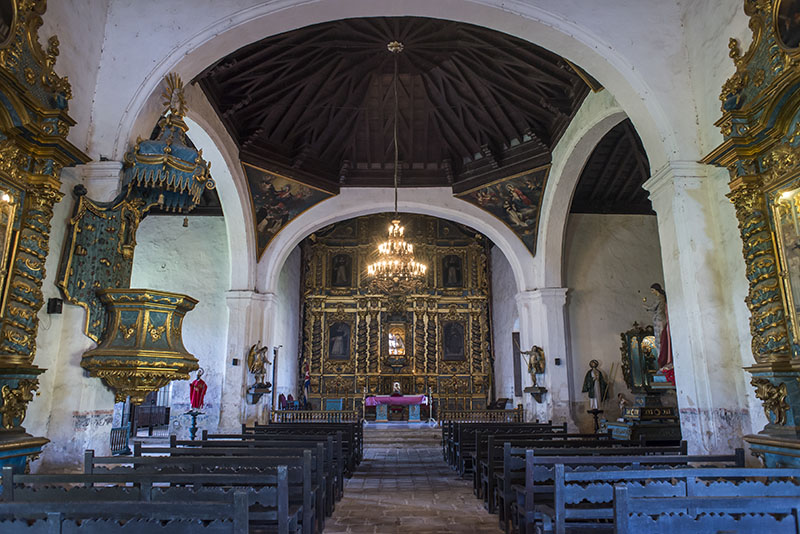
x: 488, y: 103
x: 609, y: 164
x: 447, y: 122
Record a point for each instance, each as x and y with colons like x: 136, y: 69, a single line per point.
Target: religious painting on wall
x: 516, y: 200
x: 786, y: 218
x: 8, y: 12
x: 339, y: 341
x: 452, y: 274
x: 787, y: 23
x: 341, y: 270
x: 397, y: 340
x: 453, y: 341
x: 276, y: 201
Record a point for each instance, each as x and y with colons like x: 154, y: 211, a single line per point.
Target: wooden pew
x: 352, y: 436
x: 503, y: 468
x: 514, y: 464
x: 538, y: 487
x: 572, y: 491
x: 228, y: 444
x: 694, y: 515
x: 465, y: 431
x: 471, y: 447
x: 306, y: 482
x: 352, y: 428
x: 138, y: 517
x: 267, y: 494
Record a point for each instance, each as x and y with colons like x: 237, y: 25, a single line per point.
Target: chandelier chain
x: 396, y: 50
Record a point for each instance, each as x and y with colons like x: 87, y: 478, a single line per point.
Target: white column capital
x: 665, y: 179
x: 547, y: 296
x: 101, y: 178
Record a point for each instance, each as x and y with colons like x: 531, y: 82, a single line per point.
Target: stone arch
x: 233, y: 194
x: 596, y: 117
x: 353, y: 202
x: 576, y: 36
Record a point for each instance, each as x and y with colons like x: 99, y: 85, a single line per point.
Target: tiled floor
x: 404, y: 486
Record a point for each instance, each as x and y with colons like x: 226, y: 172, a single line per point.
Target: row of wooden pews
x: 283, y: 478
x: 540, y: 478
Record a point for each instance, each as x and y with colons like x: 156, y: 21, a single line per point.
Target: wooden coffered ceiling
x: 316, y: 104
x: 611, y: 181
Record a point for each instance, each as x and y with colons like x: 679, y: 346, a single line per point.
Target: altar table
x: 382, y: 402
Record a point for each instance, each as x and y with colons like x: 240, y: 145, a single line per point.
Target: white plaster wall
x: 611, y: 261
x: 80, y: 27
x: 193, y: 261
x: 708, y: 25
x: 504, y: 319
x: 287, y: 325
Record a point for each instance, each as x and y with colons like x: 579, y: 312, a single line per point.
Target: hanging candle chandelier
x: 395, y: 269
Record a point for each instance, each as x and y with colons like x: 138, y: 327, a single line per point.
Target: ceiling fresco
x: 517, y: 201
x: 276, y: 201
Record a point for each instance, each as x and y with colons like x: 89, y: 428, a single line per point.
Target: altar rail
x: 315, y: 416
x: 517, y: 415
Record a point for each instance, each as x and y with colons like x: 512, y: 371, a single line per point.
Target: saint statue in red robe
x: 197, y: 391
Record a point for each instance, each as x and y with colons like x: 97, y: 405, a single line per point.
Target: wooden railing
x: 517, y: 415
x: 315, y: 416
x: 119, y: 439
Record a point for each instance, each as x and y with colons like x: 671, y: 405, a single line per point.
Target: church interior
x: 370, y: 266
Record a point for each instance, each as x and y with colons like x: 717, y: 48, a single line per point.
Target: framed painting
x: 453, y: 341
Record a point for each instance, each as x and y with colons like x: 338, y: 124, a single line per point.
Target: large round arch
x: 354, y: 202
x: 575, y: 33
x: 596, y: 117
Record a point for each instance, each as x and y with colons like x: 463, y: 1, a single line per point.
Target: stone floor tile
x: 404, y: 486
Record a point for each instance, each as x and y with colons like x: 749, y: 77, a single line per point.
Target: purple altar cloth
x: 405, y: 400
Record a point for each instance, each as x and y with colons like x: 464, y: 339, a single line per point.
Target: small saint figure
x: 257, y: 361
x: 594, y: 385
x: 197, y: 391
x: 661, y: 331
x: 396, y: 392
x: 536, y: 362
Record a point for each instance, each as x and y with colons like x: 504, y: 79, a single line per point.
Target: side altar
x: 382, y: 403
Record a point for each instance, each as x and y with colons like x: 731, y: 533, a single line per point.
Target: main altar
x: 434, y: 342
x: 382, y: 404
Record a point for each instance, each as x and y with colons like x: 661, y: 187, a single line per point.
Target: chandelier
x: 395, y: 269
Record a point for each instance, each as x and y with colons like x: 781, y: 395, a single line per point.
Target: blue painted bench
x: 701, y: 514
x: 538, y: 487
x: 514, y: 465
x: 584, y: 501
x: 306, y: 483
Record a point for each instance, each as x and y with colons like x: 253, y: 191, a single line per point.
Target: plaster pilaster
x: 102, y: 179
x: 710, y: 382
x: 247, y: 313
x: 542, y: 322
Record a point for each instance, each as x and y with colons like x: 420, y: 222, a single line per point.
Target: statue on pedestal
x: 661, y: 331
x: 594, y: 384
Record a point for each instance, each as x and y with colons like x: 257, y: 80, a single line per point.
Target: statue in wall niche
x: 595, y: 385
x: 197, y: 391
x: 661, y: 331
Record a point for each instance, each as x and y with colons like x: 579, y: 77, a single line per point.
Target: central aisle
x: 403, y: 485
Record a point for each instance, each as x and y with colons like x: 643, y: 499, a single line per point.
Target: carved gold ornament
x: 773, y: 397
x: 15, y: 402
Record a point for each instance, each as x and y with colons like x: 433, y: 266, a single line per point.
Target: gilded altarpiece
x: 34, y: 124
x: 761, y: 151
x: 358, y: 342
